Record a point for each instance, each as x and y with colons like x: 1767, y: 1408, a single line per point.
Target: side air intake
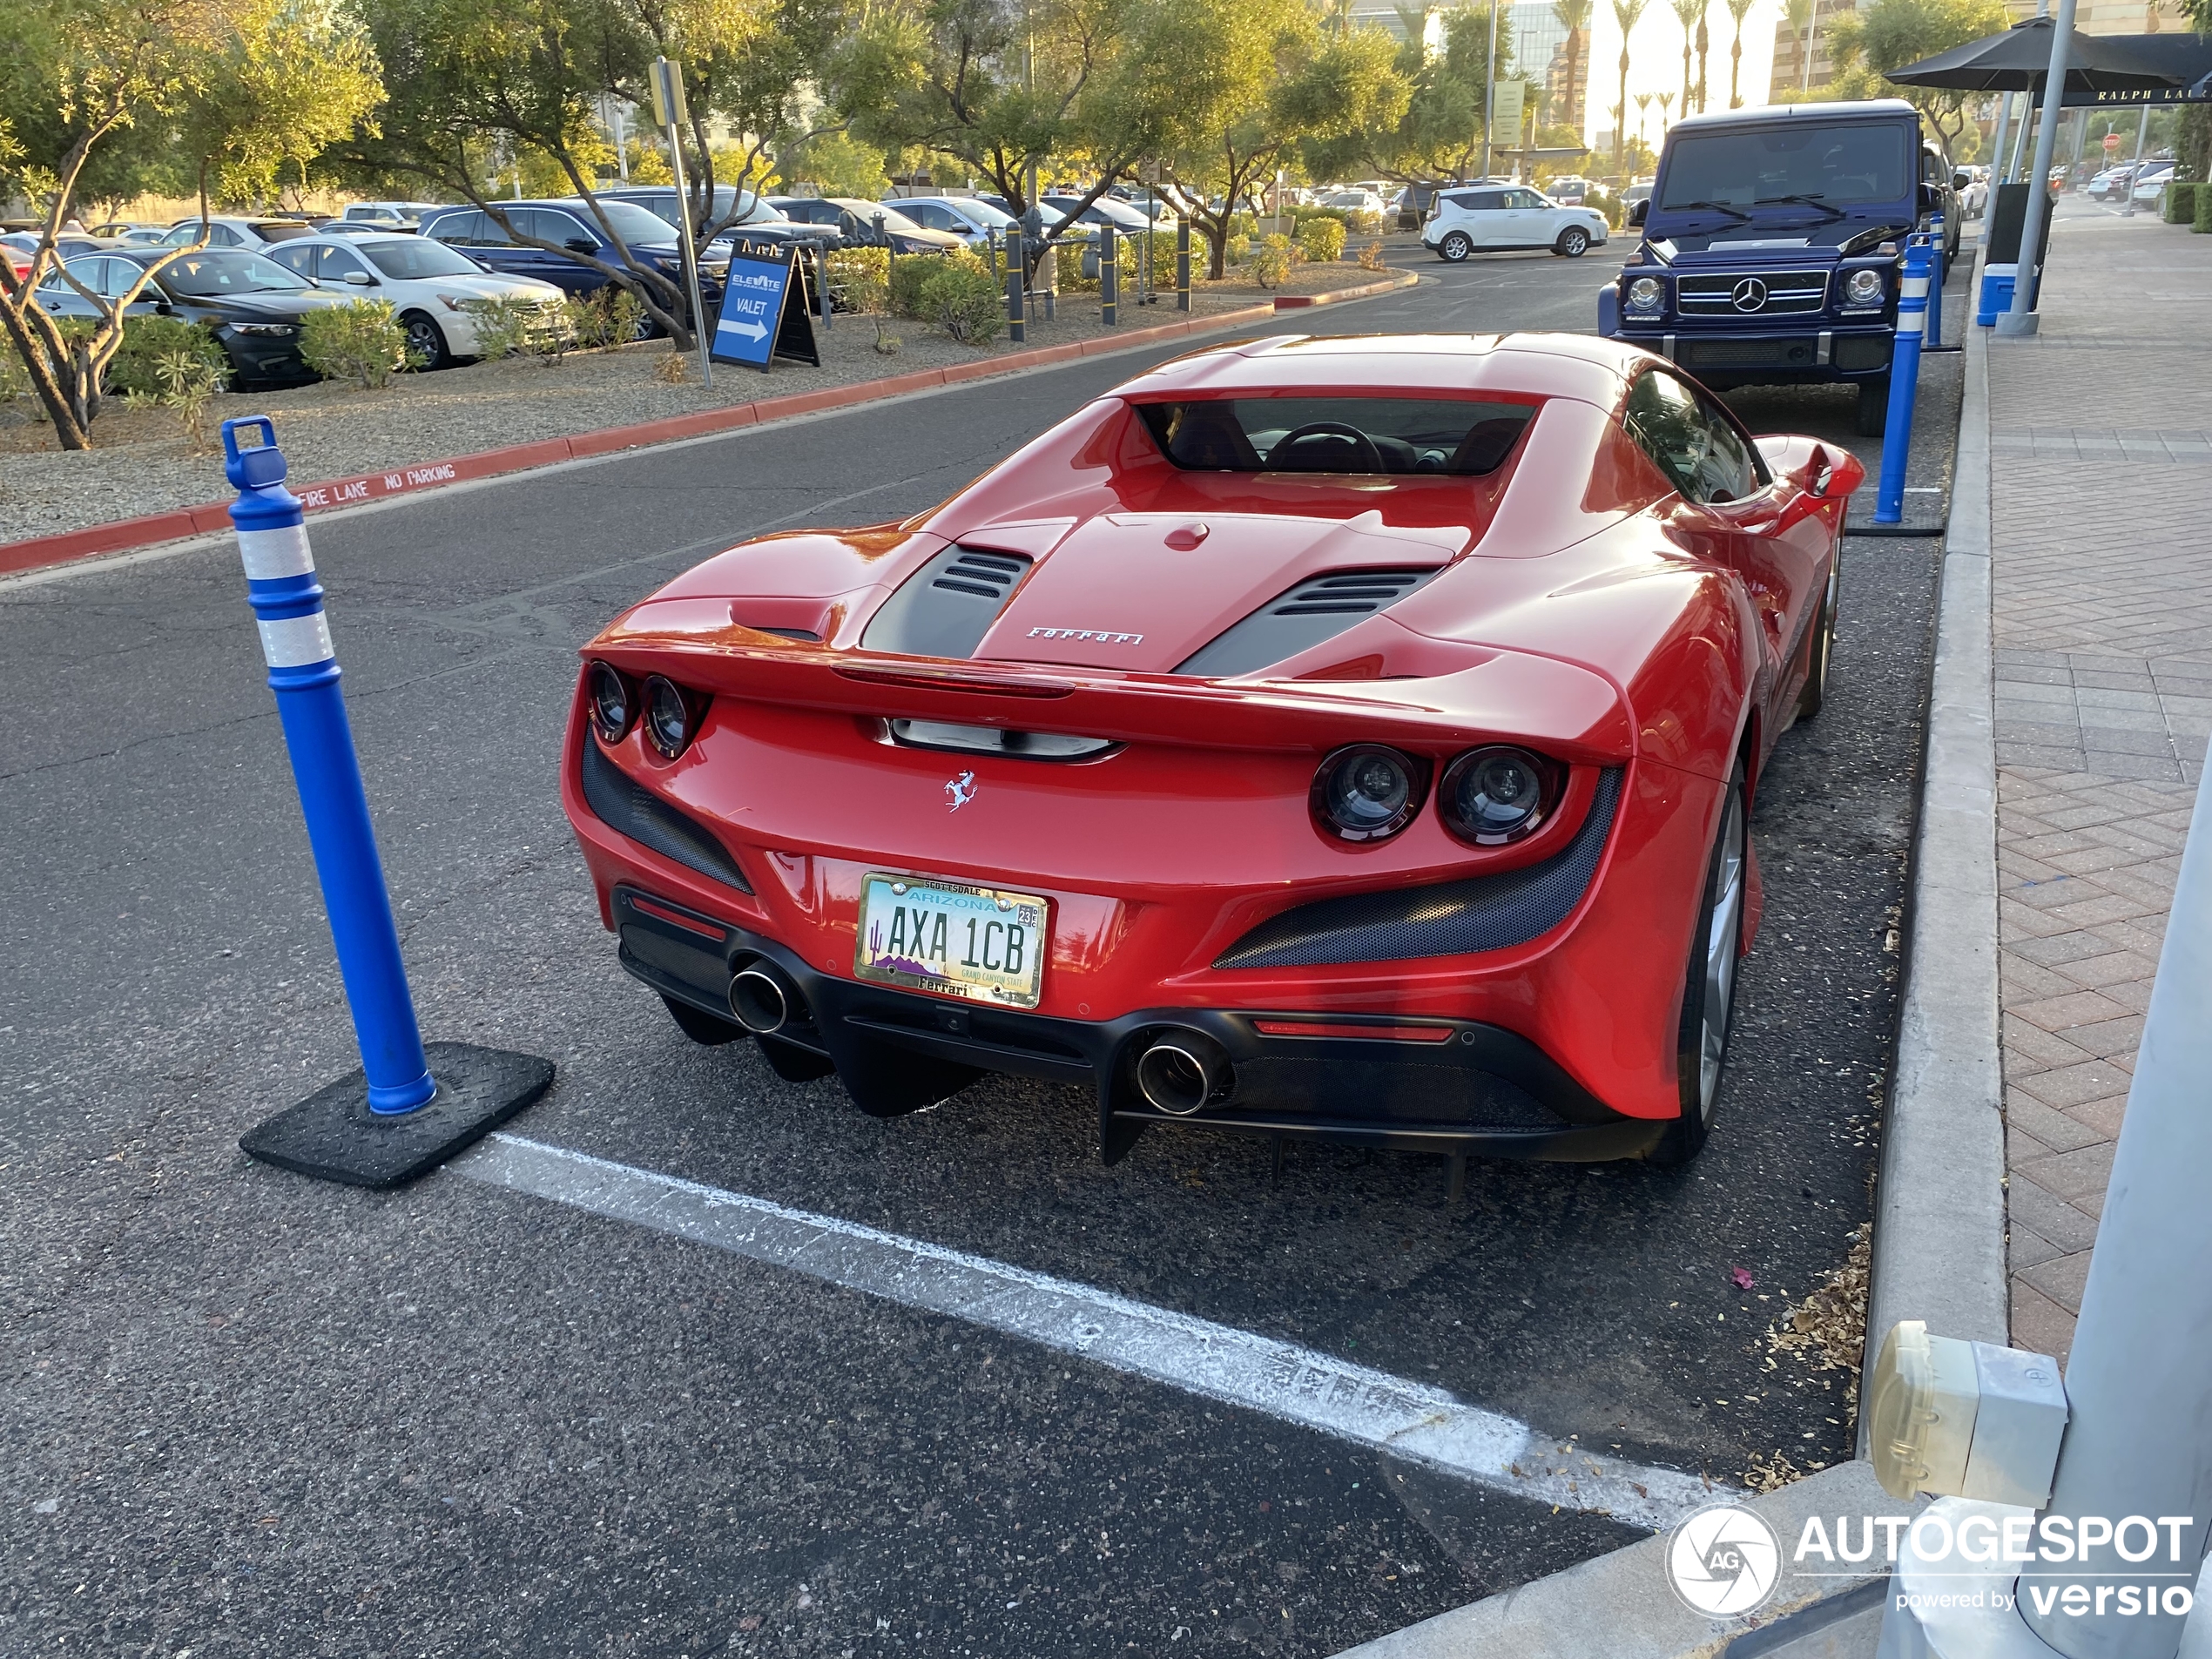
x: 1318, y: 609
x: 946, y: 608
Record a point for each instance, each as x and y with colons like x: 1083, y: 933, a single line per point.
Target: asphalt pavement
x: 246, y: 1414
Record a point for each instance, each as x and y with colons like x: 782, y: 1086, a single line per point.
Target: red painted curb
x: 1296, y: 301
x: 213, y: 516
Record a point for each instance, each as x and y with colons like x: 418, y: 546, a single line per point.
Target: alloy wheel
x: 1724, y: 936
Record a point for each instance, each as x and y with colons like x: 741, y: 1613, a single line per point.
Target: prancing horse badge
x: 960, y: 792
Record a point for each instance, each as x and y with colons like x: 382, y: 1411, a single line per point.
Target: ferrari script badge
x: 960, y: 792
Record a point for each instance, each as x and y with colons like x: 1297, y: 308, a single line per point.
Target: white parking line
x: 1316, y: 1391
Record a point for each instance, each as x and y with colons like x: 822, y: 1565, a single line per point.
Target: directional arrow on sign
x: 751, y: 329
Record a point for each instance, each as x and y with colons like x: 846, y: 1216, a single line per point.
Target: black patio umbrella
x: 2017, y: 60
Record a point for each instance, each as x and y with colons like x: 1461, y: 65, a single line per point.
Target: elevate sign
x: 757, y: 321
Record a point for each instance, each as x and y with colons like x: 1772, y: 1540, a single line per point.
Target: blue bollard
x: 280, y: 585
x: 392, y: 1120
x: 1905, y: 381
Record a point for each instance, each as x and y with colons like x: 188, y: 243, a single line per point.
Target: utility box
x: 1964, y: 1419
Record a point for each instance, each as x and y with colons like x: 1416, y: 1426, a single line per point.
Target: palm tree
x: 1573, y: 16
x: 1801, y: 15
x: 1628, y: 14
x: 1643, y: 108
x: 1687, y: 13
x: 1737, y: 10
x: 1703, y: 43
x: 1666, y: 102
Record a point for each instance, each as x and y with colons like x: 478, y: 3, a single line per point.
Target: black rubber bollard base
x: 333, y: 1135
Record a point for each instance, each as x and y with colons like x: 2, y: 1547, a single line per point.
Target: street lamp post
x: 2020, y: 319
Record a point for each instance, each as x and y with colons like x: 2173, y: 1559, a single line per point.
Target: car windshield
x: 218, y: 271
x: 1337, y: 435
x: 868, y: 213
x: 416, y: 256
x: 984, y: 214
x: 1859, y: 161
x: 636, y: 227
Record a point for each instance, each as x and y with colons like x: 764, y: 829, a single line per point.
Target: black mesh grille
x: 643, y: 817
x: 946, y: 608
x: 1484, y: 912
x: 1318, y: 609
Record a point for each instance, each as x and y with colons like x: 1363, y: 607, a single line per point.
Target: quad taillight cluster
x: 670, y: 714
x: 1488, y: 796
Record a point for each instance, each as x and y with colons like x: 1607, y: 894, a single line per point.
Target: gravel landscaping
x: 143, y: 464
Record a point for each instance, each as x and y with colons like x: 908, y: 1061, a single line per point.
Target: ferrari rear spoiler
x: 1564, y: 710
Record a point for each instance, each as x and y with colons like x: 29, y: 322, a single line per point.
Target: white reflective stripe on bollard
x: 1911, y: 322
x: 1915, y: 288
x: 269, y: 555
x: 294, y: 642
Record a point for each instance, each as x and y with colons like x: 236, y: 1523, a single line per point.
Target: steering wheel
x: 1368, y: 453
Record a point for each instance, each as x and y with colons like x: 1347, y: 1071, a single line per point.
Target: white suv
x: 1490, y: 218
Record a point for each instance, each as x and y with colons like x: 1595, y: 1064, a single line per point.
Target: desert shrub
x: 2202, y: 223
x: 182, y: 380
x: 1271, y: 260
x: 502, y: 326
x: 964, y: 301
x: 857, y: 278
x: 146, y: 340
x: 912, y: 275
x: 1239, y: 247
x: 611, y: 316
x: 1321, y: 239
x: 1609, y: 206
x: 360, y: 341
x: 1371, y: 257
x: 2181, y: 202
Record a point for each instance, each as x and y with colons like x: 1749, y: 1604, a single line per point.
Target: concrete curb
x: 1620, y: 1605
x: 213, y: 516
x: 1298, y: 301
x: 1940, y: 1207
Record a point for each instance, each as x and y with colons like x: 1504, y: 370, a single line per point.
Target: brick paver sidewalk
x: 2101, y: 462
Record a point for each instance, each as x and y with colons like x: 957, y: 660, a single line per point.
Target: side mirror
x: 1960, y: 181
x: 360, y: 279
x: 1930, y: 198
x: 581, y: 245
x: 1638, y: 211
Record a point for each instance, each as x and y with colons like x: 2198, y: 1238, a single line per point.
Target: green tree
x: 1282, y: 84
x: 1799, y: 14
x: 1688, y: 14
x: 169, y: 74
x: 1627, y: 14
x: 1889, y: 34
x: 1436, y: 130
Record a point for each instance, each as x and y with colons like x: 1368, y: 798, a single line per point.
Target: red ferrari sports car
x: 1349, y: 737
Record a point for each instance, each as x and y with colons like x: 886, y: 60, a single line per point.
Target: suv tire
x: 1873, y: 407
x: 1455, y: 247
x: 1573, y: 242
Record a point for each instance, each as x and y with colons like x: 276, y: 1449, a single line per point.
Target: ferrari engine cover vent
x: 1318, y: 609
x: 946, y: 608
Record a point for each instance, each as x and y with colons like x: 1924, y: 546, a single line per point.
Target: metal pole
x: 1490, y: 90
x: 2142, y: 134
x: 287, y: 598
x: 1109, y: 278
x: 2021, y: 319
x: 670, y: 79
x: 1183, y: 263
x: 821, y: 280
x: 622, y: 144
x: 2139, y: 1380
x: 1996, y: 148
x: 1017, y: 309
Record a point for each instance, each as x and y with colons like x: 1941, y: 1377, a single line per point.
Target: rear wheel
x: 1455, y: 247
x: 1873, y: 407
x: 1708, y: 990
x: 1573, y: 242
x: 1814, y: 695
x: 426, y: 342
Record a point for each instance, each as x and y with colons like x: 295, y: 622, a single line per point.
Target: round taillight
x: 614, y: 703
x: 1367, y: 792
x: 1492, y: 796
x: 671, y: 716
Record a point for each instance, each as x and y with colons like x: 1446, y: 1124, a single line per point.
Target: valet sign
x: 1726, y: 1561
x: 763, y: 309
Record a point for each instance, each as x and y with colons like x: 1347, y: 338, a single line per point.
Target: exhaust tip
x: 1182, y: 1070
x: 761, y: 999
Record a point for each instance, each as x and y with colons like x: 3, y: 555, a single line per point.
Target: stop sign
x: 2111, y: 142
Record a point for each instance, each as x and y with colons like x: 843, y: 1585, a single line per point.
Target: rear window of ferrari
x: 1338, y: 435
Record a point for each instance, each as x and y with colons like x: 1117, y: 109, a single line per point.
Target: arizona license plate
x: 978, y: 943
